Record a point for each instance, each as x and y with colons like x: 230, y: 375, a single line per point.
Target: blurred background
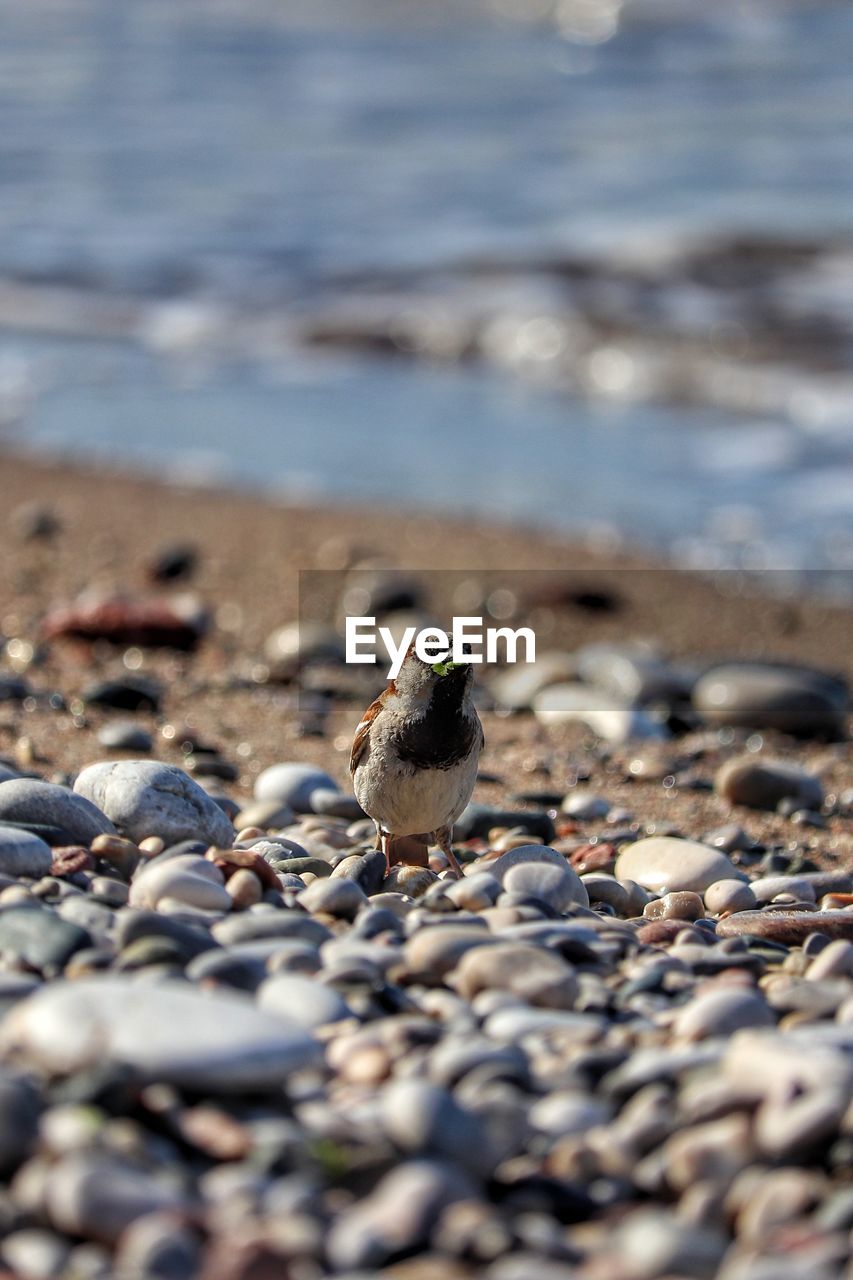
x: 581, y: 263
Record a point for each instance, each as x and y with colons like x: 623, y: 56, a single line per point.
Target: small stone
x: 607, y: 889
x: 34, y: 1254
x: 668, y: 864
x: 145, y: 798
x: 169, y: 1032
x: 124, y: 735
x: 413, y: 881
x: 477, y: 820
x: 269, y: 815
x: 585, y: 806
x: 304, y: 1001
x: 339, y: 897
x: 129, y: 693
x: 189, y: 879
x: 244, y: 889
x: 99, y: 1196
x: 788, y: 927
x: 558, y: 886
x: 29, y: 802
x: 758, y: 695
x: 761, y: 783
x: 834, y: 961
x: 675, y: 906
x: 724, y: 897
x: 795, y: 888
x: 40, y: 937
x: 158, y: 1246
x: 177, y: 623
x: 434, y: 951
x: 292, y: 784
x: 538, y: 976
x: 112, y: 892
x: 720, y: 1013
x: 423, y: 1119
x: 335, y: 804
x: 23, y: 854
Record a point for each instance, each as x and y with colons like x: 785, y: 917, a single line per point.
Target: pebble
x: 724, y: 897
x: 73, y: 819
x: 130, y: 693
x: 302, y: 1000
x: 169, y: 1032
x: 292, y: 785
x: 435, y: 951
x: 477, y: 820
x: 559, y: 887
x: 266, y: 814
x: 834, y: 961
x: 97, y: 1195
x: 761, y: 783
x: 608, y: 717
x: 145, y: 798
x: 788, y: 927
x: 338, y: 897
x: 189, y: 879
x: 720, y: 1013
x: 798, y: 889
x: 40, y: 937
x: 585, y: 806
x: 758, y: 695
x: 538, y: 976
x: 675, y: 906
x: 668, y: 864
x: 23, y: 854
x: 425, y: 1120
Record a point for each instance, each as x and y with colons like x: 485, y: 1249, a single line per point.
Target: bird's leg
x: 442, y: 839
x: 379, y: 844
x: 386, y: 849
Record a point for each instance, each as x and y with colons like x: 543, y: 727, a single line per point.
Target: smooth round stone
x: 335, y: 804
x: 474, y: 892
x: 767, y: 888
x: 253, y: 925
x: 720, y: 1013
x: 266, y: 814
x: 726, y: 896
x: 834, y: 961
x: 608, y: 717
x: 98, y: 1196
x: 40, y: 937
x: 342, y: 898
x: 515, y: 686
x: 149, y: 798
x: 674, y: 906
x: 23, y: 854
x: 303, y: 1000
x: 477, y: 820
x: 414, y: 881
x: 601, y: 887
x: 159, y: 1246
x: 293, y: 784
x: 498, y: 867
x: 435, y: 950
x: 584, y: 806
x: 668, y: 864
x: 423, y: 1119
x: 538, y: 976
x: 170, y: 1032
x: 29, y: 801
x: 33, y: 1254
x: 761, y: 783
x: 788, y: 927
x: 20, y: 1106
x: 563, y: 1113
x: 124, y: 735
x: 188, y: 879
x: 559, y: 887
x: 759, y: 695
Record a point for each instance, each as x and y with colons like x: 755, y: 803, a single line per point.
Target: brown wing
x: 359, y: 742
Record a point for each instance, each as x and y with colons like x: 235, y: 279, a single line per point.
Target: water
x: 190, y: 192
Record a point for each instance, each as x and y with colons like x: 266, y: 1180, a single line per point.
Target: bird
x: 415, y: 753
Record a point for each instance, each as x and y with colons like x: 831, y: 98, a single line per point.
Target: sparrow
x: 415, y: 753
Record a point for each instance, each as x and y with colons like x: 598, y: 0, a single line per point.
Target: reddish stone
x: 788, y: 927
x: 70, y: 859
x: 594, y: 857
x: 230, y: 860
x: 153, y: 623
x: 660, y: 932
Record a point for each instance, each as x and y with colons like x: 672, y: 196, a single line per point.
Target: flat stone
x: 766, y: 888
x: 477, y: 820
x: 761, y: 783
x: 266, y: 814
x: 608, y: 717
x: 759, y: 695
x: 251, y: 926
x: 170, y: 1032
x: 585, y: 806
x: 720, y: 1013
x: 423, y: 1119
x: 40, y: 937
x: 675, y: 906
x: 668, y: 864
x: 293, y: 784
x: 788, y: 927
x: 538, y: 976
x: 98, y: 1196
x: 435, y: 950
x: 340, y: 897
x: 304, y: 1001
x: 149, y: 798
x: 31, y: 802
x: 125, y: 735
x: 23, y: 854
x: 189, y: 879
x: 558, y: 887
x: 336, y: 804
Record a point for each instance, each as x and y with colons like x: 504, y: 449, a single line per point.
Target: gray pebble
x: 30, y: 801
x: 292, y: 784
x: 23, y: 854
x: 149, y: 798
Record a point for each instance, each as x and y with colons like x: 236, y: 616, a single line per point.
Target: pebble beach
x: 620, y: 1045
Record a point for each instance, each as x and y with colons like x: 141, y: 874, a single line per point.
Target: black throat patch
x: 444, y: 735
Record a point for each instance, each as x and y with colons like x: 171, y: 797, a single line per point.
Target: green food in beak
x: 444, y: 668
